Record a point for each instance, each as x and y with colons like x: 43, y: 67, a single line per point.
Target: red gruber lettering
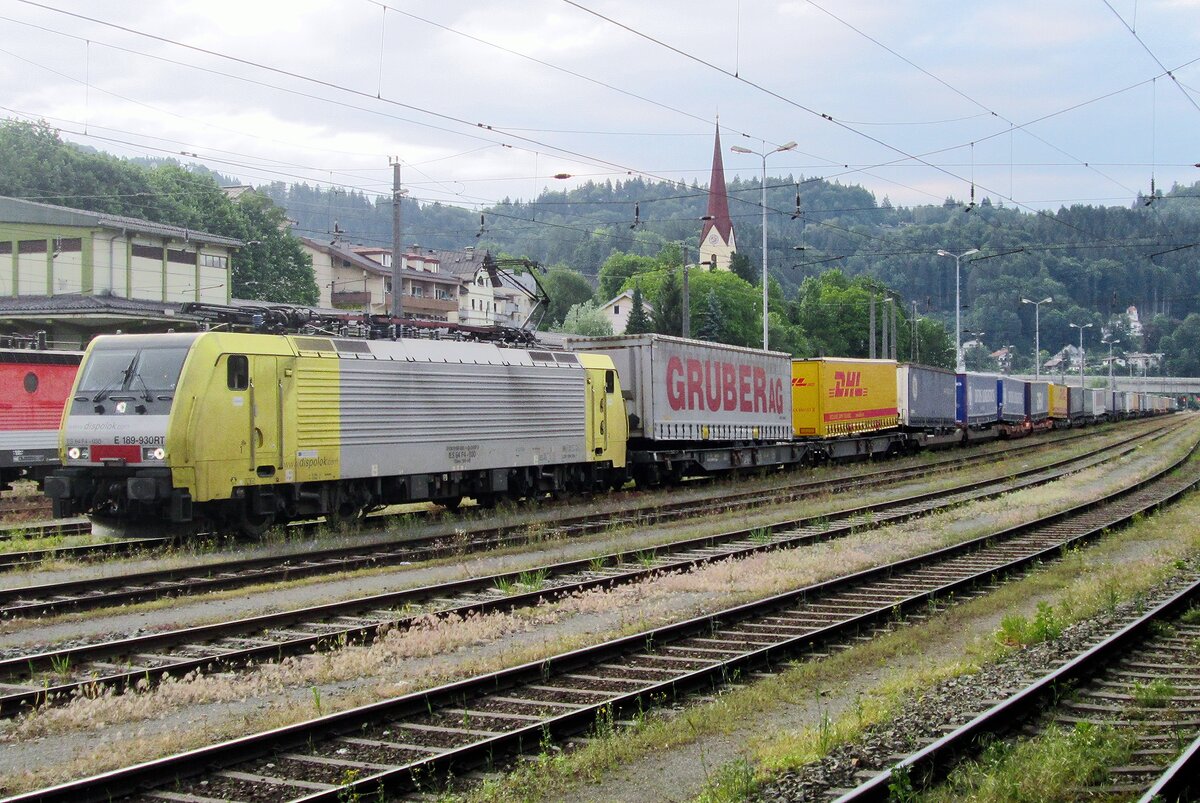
x: 728, y: 386
x: 744, y: 388
x: 675, y: 383
x: 715, y: 385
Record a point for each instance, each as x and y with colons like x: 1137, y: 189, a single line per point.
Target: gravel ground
x: 89, y: 741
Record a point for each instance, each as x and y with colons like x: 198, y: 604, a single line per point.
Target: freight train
x: 36, y: 384
x: 244, y: 431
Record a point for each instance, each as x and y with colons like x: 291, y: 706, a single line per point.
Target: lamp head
x: 740, y: 149
x: 785, y: 147
x: 942, y: 253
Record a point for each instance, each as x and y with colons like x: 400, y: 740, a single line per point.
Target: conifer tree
x: 639, y: 322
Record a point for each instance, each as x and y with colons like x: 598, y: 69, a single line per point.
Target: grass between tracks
x: 1087, y: 581
x: 327, y: 681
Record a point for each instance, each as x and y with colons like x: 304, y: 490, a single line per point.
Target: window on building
x: 68, y: 245
x: 213, y: 261
x: 148, y: 251
x: 617, y: 309
x: 181, y: 257
x: 5, y: 248
x: 32, y: 247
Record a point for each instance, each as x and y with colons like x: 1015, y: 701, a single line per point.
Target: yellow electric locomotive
x: 250, y: 430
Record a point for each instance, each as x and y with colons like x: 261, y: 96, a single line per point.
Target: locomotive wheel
x: 255, y: 526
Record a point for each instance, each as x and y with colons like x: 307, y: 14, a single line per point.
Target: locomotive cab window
x: 239, y: 372
x: 124, y: 370
x: 610, y: 381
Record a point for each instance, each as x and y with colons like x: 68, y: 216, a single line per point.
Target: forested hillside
x: 1094, y: 261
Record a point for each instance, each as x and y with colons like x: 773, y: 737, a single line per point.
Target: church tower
x: 716, y: 238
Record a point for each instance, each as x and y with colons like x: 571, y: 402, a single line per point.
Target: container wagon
x: 1037, y: 404
x: 696, y: 407
x: 850, y: 405
x: 1075, y: 397
x: 1059, y: 405
x: 977, y: 405
x: 925, y: 404
x: 1010, y: 395
x: 1095, y: 405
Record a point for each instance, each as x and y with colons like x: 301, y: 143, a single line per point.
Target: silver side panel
x: 405, y: 417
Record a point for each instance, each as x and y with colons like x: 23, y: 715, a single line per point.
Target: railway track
x: 60, y: 675
x: 15, y: 559
x: 415, y: 741
x: 123, y: 589
x: 1142, y: 682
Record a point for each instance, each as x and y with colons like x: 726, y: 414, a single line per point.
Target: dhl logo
x: 847, y: 384
x: 798, y: 382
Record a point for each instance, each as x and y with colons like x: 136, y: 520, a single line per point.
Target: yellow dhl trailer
x: 833, y: 397
x: 1059, y: 403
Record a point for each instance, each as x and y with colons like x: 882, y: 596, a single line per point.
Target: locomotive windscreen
x: 123, y: 369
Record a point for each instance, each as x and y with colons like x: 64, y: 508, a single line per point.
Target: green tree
x: 740, y: 266
x: 273, y: 266
x: 639, y: 322
x: 668, y: 305
x: 586, y: 319
x: 618, y: 269
x: 712, y: 319
x: 566, y: 288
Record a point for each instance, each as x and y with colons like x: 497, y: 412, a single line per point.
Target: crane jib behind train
x: 249, y: 430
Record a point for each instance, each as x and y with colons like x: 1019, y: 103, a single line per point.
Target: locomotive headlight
x: 160, y: 453
x: 157, y: 453
x: 73, y: 453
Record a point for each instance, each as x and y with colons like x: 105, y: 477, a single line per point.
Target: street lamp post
x: 1037, y: 332
x: 1110, y: 343
x: 765, y: 153
x: 1080, y: 328
x: 960, y: 366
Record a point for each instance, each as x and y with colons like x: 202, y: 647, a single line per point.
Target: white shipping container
x: 693, y: 390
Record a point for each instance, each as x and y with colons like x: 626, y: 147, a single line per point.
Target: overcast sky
x: 1039, y: 102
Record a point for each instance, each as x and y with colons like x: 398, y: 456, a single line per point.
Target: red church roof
x: 718, y: 200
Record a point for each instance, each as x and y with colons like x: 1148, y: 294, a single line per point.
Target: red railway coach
x: 34, y: 386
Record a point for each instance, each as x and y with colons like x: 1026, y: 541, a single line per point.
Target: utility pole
x: 686, y: 328
x: 397, y: 258
x: 895, y: 331
x: 884, y: 311
x: 871, y: 353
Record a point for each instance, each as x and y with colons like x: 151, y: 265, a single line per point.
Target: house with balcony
x: 429, y: 293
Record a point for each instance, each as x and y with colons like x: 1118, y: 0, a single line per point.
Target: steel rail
x: 1044, y: 539
x: 122, y: 589
x: 1181, y: 781
x: 24, y: 669
x: 933, y: 762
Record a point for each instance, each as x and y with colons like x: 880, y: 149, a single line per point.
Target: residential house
x: 617, y: 311
x: 428, y: 292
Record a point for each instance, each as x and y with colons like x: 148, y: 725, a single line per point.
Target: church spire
x: 716, y: 237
